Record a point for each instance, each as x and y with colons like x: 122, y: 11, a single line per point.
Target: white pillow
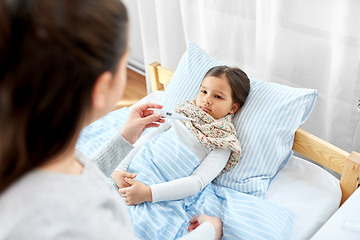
x: 265, y: 126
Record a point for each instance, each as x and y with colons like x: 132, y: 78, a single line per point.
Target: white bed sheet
x: 311, y: 193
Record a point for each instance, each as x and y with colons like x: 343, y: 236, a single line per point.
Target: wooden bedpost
x: 159, y: 76
x: 154, y: 77
x: 349, y: 181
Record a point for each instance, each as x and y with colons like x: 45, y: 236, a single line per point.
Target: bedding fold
x: 165, y: 158
x: 244, y: 216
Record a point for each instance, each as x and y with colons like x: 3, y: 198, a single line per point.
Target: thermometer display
x: 169, y: 114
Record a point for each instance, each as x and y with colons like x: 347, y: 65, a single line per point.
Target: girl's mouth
x: 206, y: 109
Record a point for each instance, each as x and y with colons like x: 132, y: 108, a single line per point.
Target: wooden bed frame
x: 310, y: 146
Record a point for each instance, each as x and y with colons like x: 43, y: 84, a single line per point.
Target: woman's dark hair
x: 238, y: 80
x: 51, y: 53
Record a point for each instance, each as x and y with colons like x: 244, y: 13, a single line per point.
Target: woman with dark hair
x: 62, y: 66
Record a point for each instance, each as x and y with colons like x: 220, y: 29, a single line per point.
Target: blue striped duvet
x: 165, y: 158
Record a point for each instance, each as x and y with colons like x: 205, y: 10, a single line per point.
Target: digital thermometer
x: 168, y: 114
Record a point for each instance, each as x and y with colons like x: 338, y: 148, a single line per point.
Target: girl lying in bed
x: 211, y: 137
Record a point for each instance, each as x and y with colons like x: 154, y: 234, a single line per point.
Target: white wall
x: 136, y: 58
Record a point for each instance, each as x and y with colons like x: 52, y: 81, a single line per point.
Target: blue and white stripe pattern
x: 166, y: 157
x: 101, y: 131
x: 265, y: 126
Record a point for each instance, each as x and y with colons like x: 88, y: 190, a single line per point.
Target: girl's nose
x: 206, y: 101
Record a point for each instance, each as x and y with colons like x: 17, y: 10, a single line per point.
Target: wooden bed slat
x: 320, y: 151
x: 310, y: 146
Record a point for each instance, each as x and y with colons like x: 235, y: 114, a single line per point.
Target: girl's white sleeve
x: 179, y: 188
x: 124, y: 165
x: 204, y: 231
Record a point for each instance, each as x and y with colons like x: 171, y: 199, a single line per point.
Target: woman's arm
x: 110, y: 155
x: 118, y: 176
x: 140, y: 118
x: 178, y: 188
x: 124, y: 165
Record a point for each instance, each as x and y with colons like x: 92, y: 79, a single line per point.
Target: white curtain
x: 300, y: 43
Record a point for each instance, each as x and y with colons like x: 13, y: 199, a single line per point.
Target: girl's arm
x: 212, y: 165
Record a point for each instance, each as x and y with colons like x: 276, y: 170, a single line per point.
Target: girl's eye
x: 203, y: 91
x: 219, y: 97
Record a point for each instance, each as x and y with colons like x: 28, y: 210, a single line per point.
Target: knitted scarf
x: 212, y: 133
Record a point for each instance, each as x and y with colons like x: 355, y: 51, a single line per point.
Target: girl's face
x: 215, y: 97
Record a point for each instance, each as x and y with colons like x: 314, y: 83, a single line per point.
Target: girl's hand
x: 215, y: 221
x: 119, y: 178
x: 139, y: 119
x: 137, y: 192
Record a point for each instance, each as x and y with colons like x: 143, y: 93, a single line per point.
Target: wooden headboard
x: 308, y: 145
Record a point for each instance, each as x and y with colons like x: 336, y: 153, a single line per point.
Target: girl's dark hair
x: 238, y: 80
x: 51, y: 53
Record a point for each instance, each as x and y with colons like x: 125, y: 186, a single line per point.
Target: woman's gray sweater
x: 49, y: 205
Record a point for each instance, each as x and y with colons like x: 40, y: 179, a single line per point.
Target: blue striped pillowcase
x: 265, y: 126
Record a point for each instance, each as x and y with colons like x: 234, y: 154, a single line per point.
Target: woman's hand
x: 137, y: 192
x: 119, y: 178
x: 139, y: 119
x: 215, y: 221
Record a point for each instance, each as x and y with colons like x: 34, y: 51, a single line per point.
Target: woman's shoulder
x: 60, y: 203
x: 27, y: 204
x: 45, y: 188
x: 33, y: 193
